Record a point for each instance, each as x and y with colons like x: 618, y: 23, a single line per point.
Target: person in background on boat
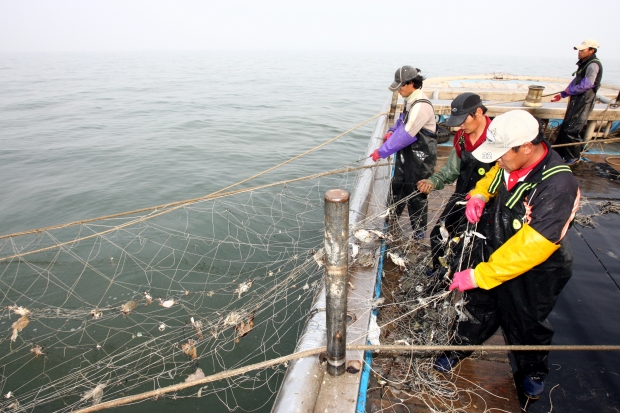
x: 412, y: 138
x: 582, y: 91
x: 535, y: 200
x: 468, y: 113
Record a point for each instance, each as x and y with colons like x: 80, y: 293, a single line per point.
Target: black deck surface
x: 588, y: 312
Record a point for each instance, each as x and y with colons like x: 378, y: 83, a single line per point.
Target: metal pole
x: 336, y: 274
x: 392, y: 112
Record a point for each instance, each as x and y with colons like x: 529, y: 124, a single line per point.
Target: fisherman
x: 412, y: 138
x: 535, y: 200
x: 468, y: 113
x: 582, y: 91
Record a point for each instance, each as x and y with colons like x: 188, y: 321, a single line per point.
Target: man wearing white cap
x: 535, y: 197
x: 582, y: 91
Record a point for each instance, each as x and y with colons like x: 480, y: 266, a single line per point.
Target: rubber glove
x: 556, y: 98
x: 375, y: 155
x: 425, y: 186
x: 387, y: 136
x: 463, y: 280
x: 473, y: 209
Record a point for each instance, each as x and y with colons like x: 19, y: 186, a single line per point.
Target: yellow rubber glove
x: 522, y: 252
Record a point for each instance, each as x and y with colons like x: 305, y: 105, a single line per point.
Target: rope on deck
x: 313, y: 352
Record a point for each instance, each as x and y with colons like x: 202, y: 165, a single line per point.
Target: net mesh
x: 120, y: 306
x: 119, y: 309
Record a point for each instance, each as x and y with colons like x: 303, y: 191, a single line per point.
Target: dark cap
x: 403, y: 75
x: 463, y: 105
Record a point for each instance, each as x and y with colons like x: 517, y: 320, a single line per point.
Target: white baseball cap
x: 506, y: 131
x: 586, y: 44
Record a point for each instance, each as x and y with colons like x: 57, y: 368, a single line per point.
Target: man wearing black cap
x: 412, y: 138
x: 582, y: 91
x: 468, y: 112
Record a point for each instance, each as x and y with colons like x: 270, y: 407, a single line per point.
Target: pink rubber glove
x: 473, y: 209
x: 375, y: 155
x: 387, y: 136
x: 463, y: 280
x: 556, y: 98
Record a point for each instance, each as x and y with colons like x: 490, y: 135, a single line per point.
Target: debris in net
x: 167, y: 303
x: 197, y: 327
x: 19, y: 310
x: 162, y: 327
x: 306, y: 286
x: 189, y: 348
x: 459, y: 306
x: 374, y: 331
x: 368, y: 235
x: 96, y: 394
x: 37, y: 350
x: 199, y: 374
x: 244, y: 328
x: 18, y: 326
x: 232, y: 319
x: 366, y: 260
x: 387, y: 213
x: 445, y: 235
x: 318, y: 256
x: 128, y: 307
x: 351, y: 285
x: 355, y: 249
x: 377, y: 302
x: 96, y: 313
x: 243, y: 287
x: 8, y: 395
x: 403, y: 342
x: 605, y: 207
x: 148, y: 298
x: 398, y: 260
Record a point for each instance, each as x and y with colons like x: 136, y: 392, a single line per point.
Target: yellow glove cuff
x: 482, y: 186
x: 523, y: 251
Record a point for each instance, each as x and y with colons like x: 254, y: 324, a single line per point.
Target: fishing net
x: 120, y: 306
x: 123, y: 305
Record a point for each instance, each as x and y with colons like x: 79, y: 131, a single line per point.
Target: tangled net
x: 208, y: 287
x: 117, y: 307
x: 604, y: 207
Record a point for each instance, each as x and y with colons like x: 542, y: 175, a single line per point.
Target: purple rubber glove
x: 474, y: 208
x: 399, y: 139
x: 375, y: 155
x: 463, y: 280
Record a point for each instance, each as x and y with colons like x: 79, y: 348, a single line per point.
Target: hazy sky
x: 518, y: 27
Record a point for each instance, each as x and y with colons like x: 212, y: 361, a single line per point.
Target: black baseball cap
x: 463, y: 105
x: 403, y: 75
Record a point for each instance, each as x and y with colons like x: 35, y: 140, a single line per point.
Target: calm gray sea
x: 90, y: 134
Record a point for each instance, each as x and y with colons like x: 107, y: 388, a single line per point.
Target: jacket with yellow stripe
x: 530, y: 222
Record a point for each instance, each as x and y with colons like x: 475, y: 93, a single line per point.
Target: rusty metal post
x: 336, y: 276
x: 392, y: 112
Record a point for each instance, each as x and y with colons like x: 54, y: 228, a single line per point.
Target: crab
x: 37, y: 350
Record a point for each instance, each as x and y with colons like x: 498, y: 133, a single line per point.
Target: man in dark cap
x: 412, y: 138
x: 582, y: 91
x: 468, y: 113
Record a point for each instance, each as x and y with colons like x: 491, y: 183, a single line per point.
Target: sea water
x: 90, y: 134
